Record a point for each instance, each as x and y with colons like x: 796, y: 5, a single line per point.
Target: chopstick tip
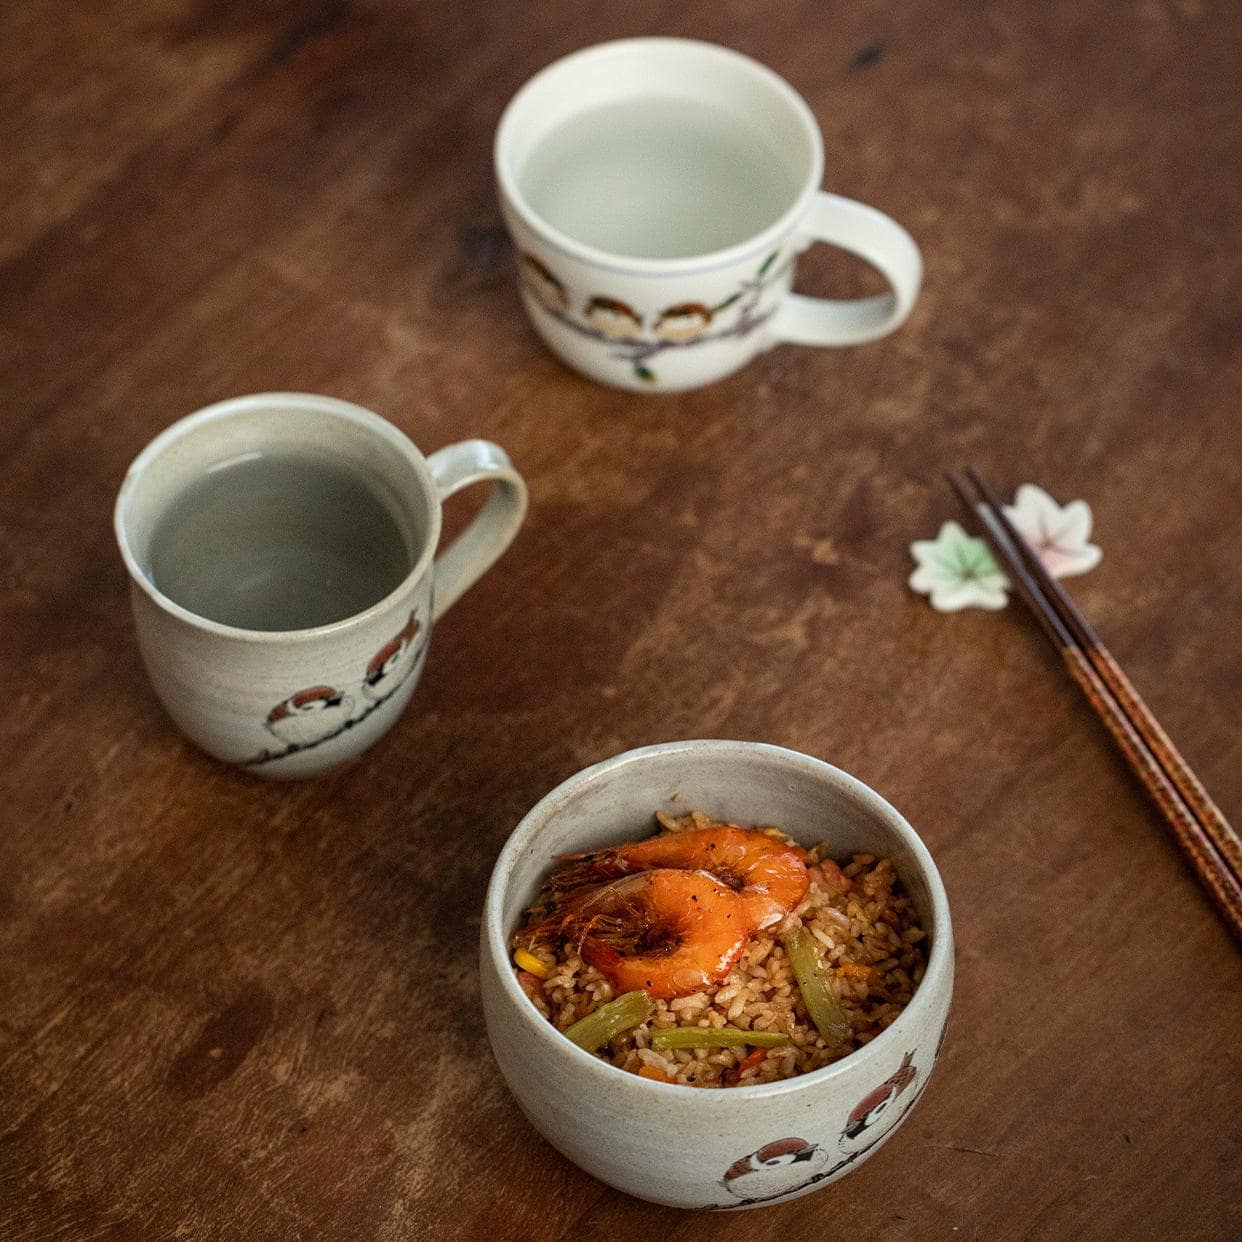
x: 959, y: 487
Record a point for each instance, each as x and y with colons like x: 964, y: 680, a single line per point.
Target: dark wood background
x: 238, y: 1010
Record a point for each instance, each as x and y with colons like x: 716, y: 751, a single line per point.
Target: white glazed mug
x: 644, y: 323
x: 290, y: 703
x: 735, y: 1146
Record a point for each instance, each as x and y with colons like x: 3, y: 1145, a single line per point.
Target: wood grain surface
x: 237, y: 1010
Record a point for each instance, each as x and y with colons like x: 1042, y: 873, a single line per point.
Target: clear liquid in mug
x: 278, y: 541
x: 659, y: 178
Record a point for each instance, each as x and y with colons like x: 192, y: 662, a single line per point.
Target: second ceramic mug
x: 291, y: 702
x: 642, y: 322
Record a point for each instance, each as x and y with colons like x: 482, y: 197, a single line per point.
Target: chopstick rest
x: 957, y: 570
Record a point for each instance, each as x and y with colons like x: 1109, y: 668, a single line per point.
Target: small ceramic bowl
x: 702, y: 1148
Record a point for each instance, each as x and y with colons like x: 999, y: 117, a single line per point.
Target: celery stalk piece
x: 605, y: 1023
x: 723, y: 1037
x: 821, y: 1002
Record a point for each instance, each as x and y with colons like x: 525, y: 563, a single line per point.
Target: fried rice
x: 870, y: 944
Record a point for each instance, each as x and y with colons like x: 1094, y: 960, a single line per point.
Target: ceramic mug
x: 688, y: 316
x: 290, y: 703
x: 736, y: 1146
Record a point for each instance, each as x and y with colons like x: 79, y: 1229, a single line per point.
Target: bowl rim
x: 495, y: 941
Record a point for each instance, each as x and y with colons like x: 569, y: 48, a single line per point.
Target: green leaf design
x: 644, y: 373
x: 733, y: 297
x: 968, y: 559
x: 767, y: 263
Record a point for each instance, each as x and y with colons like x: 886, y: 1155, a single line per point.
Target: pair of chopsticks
x: 1205, y: 836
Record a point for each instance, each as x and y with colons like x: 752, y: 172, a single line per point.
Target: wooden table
x: 241, y: 1010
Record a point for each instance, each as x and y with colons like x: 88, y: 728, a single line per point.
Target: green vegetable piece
x: 821, y: 1001
x: 608, y: 1021
x: 724, y: 1037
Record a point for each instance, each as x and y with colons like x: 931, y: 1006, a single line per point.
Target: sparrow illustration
x: 875, y: 1112
x: 546, y: 288
x: 614, y: 319
x: 391, y: 664
x: 309, y: 716
x: 683, y: 322
x: 774, y: 1170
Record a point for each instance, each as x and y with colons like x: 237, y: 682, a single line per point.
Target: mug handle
x: 479, y: 546
x: 872, y: 236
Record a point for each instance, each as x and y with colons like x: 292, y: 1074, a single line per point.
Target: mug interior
x: 674, y: 70
x: 747, y: 783
x: 363, y: 444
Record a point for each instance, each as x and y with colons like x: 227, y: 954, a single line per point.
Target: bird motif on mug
x: 683, y: 322
x: 309, y: 715
x: 546, y: 288
x: 614, y: 319
x: 391, y: 664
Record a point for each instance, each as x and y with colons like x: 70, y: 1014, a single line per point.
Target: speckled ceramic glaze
x: 735, y: 1147
x: 662, y: 324
x: 292, y: 703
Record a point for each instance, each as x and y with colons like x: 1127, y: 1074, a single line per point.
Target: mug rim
x: 939, y: 961
x: 230, y: 407
x: 635, y: 265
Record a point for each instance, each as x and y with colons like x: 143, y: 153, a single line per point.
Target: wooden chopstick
x: 1179, y: 772
x: 1211, y: 864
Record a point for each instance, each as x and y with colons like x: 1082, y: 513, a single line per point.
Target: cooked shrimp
x: 665, y: 932
x: 767, y: 874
